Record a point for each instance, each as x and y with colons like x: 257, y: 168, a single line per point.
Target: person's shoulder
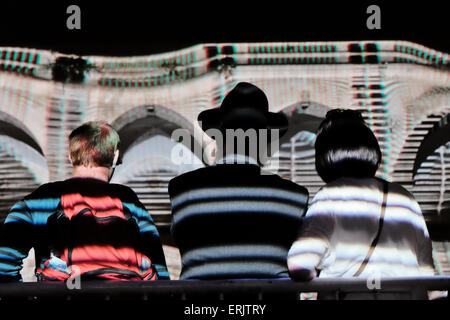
x: 398, y: 195
x: 194, y: 173
x: 189, y: 178
x: 46, y: 190
x: 397, y: 187
x: 353, y: 184
x: 275, y: 180
x: 122, y: 191
x: 337, y: 189
x: 399, y: 190
x: 120, y: 187
x: 249, y: 176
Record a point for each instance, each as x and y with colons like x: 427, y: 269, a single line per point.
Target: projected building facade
x: 401, y: 88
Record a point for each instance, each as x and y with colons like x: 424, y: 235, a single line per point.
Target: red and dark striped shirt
x: 26, y: 226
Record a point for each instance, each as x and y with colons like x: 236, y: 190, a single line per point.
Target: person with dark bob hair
x: 345, y: 146
x: 358, y: 225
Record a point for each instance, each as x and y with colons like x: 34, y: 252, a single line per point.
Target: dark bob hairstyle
x: 346, y: 147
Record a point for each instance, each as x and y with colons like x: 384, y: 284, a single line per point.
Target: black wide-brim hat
x: 244, y: 107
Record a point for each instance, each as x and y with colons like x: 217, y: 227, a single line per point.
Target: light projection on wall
x: 148, y: 164
x: 22, y: 169
x: 147, y: 168
x: 401, y: 88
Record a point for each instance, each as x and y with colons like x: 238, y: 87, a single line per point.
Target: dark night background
x: 146, y: 27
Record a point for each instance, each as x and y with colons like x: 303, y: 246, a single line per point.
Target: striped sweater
x: 343, y: 220
x: 27, y: 226
x: 231, y: 221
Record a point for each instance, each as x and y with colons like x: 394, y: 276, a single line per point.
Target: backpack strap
x: 377, y: 237
x: 43, y: 249
x: 70, y: 244
x: 126, y: 213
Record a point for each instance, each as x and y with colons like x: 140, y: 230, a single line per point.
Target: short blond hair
x: 93, y: 144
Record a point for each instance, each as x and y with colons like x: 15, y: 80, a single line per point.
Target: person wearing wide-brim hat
x: 229, y: 220
x: 245, y: 107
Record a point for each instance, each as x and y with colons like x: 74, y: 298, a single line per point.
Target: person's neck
x: 236, y: 158
x: 231, y: 153
x: 100, y: 173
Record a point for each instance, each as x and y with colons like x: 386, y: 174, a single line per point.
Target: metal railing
x: 268, y: 289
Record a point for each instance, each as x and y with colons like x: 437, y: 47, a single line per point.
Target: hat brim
x: 212, y: 119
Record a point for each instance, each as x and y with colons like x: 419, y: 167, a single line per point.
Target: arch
x: 153, y: 154
x: 432, y: 190
x: 22, y: 169
x: 404, y: 171
x: 148, y: 166
x: 303, y: 116
x: 11, y: 126
x: 427, y: 109
x: 437, y: 136
x: 140, y: 123
x: 431, y: 104
x: 23, y: 166
x: 432, y: 181
x: 295, y: 159
x: 151, y: 110
x: 27, y: 156
x: 433, y: 101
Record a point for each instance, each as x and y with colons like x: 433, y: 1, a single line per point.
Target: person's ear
x: 116, y: 158
x: 70, y: 158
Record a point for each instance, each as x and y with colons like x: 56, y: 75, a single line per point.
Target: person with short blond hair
x: 84, y: 226
x: 94, y: 143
